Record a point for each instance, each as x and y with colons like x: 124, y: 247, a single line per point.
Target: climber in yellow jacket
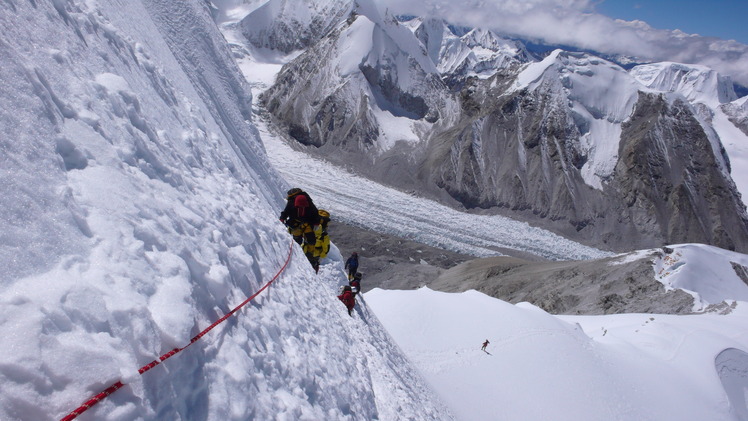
x: 322, y: 246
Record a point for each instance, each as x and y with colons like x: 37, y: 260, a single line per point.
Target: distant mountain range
x: 600, y: 149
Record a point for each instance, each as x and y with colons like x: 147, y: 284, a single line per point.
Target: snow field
x: 540, y: 366
x: 707, y: 273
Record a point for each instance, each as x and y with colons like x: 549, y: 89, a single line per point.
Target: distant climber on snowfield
x: 346, y: 296
x: 301, y: 217
x: 485, y: 344
x: 352, y: 265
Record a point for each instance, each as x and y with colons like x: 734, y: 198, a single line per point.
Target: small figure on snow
x: 485, y: 344
x: 346, y: 296
x: 352, y: 265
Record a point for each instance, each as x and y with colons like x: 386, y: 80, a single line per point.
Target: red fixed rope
x: 113, y: 388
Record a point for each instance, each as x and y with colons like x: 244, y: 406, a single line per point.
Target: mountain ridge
x: 575, y: 182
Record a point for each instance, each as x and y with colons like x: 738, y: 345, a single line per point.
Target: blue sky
x: 592, y: 25
x: 726, y: 19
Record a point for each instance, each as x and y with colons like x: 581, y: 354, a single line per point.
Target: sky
x: 726, y: 19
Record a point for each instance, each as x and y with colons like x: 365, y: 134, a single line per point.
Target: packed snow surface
x: 710, y: 274
x: 544, y: 367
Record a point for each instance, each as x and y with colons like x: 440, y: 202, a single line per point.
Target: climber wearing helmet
x: 301, y: 217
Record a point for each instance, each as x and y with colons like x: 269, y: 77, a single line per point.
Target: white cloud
x: 574, y: 22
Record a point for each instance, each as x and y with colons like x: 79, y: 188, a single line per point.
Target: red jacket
x: 347, y: 298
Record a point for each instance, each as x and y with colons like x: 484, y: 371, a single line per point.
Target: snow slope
x: 710, y: 274
x: 138, y: 207
x: 541, y: 367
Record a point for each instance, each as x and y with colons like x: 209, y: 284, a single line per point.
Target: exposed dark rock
x: 670, y: 180
x: 741, y: 271
x: 579, y: 287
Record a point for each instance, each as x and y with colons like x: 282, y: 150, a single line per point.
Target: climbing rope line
x: 116, y: 386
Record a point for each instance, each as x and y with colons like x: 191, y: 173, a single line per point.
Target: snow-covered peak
x: 493, y: 43
x: 600, y: 95
x: 393, y: 38
x: 431, y: 33
x: 289, y: 26
x: 695, y: 82
x: 479, y: 52
x: 381, y: 59
x: 604, y: 89
x: 596, y: 84
x: 381, y: 45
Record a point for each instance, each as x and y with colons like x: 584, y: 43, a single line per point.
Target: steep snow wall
x: 137, y: 208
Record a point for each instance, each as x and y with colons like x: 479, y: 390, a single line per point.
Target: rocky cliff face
x: 571, y: 142
x: 523, y: 153
x: 367, y: 85
x: 517, y: 154
x: 737, y: 111
x: 671, y: 181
